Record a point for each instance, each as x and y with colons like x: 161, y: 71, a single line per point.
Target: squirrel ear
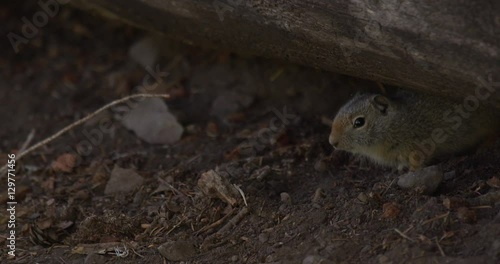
x: 381, y: 103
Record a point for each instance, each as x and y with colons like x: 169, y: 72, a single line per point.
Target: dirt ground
x: 303, y: 203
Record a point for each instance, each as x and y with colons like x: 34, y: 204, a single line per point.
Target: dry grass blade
x: 440, y: 248
x: 241, y: 193
x: 27, y: 141
x: 403, y: 235
x: 436, y: 218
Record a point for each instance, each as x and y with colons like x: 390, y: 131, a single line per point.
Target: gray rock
x: 285, y: 198
x: 152, y: 122
x: 145, y: 52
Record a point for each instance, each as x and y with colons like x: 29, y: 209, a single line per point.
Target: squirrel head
x: 361, y: 122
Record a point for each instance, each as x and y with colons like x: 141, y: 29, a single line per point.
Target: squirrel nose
x: 333, y: 141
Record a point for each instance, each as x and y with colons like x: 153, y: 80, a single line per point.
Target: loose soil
x: 305, y: 203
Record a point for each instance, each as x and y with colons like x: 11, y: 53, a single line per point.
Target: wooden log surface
x: 451, y: 47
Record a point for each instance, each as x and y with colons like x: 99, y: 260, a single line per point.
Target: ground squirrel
x: 412, y: 130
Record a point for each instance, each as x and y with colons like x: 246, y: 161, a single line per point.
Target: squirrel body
x: 411, y: 130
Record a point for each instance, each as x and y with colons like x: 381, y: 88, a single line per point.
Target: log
x: 448, y: 47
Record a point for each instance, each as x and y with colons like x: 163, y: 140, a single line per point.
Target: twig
x: 135, y: 252
x: 388, y: 187
x: 214, y: 224
x: 436, y: 218
x: 234, y: 220
x: 172, y: 188
x: 175, y: 226
x: 27, y: 141
x: 78, y: 122
x: 403, y: 235
x: 439, y: 247
x: 231, y: 223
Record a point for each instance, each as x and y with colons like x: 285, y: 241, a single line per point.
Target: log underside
x: 447, y: 47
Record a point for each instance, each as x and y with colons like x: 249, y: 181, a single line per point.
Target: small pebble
x: 362, y: 197
x: 212, y: 130
x: 285, y: 198
x: 318, y: 194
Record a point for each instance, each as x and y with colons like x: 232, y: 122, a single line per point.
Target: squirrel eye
x: 359, y: 122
